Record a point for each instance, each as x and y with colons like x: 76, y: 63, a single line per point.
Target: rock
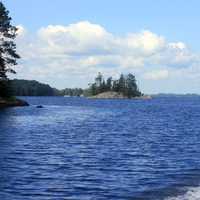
x: 20, y: 102
x: 40, y: 106
x: 115, y: 95
x: 144, y: 97
x: 12, y: 102
x: 108, y: 95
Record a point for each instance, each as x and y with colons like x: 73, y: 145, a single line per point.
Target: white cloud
x: 81, y: 38
x: 156, y: 75
x: 21, y: 31
x: 145, y: 41
x: 178, y: 45
x: 58, y: 52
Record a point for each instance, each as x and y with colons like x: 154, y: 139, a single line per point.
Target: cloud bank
x: 71, y: 55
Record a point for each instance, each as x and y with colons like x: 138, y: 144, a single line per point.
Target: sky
x: 66, y: 43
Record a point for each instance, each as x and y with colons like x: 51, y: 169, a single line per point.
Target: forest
x: 35, y: 88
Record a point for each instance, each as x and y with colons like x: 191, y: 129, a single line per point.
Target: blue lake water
x: 79, y: 149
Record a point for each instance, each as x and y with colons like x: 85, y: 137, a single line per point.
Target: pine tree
x: 115, y: 86
x: 131, y: 87
x: 109, y: 84
x: 122, y: 83
x: 103, y: 86
x: 8, y: 54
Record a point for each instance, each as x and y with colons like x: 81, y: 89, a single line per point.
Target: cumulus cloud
x: 83, y: 49
x: 145, y: 41
x: 156, y: 75
x: 82, y: 38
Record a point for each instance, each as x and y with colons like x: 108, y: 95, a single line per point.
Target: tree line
x: 31, y: 88
x: 125, y: 85
x: 72, y: 92
x: 35, y: 88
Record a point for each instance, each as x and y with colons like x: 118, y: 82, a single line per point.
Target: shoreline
x: 12, y: 102
x: 115, y: 95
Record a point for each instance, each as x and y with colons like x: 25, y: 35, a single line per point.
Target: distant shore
x: 12, y: 102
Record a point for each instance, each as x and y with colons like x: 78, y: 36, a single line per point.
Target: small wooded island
x: 122, y: 88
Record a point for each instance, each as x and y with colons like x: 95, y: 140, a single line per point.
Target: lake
x: 81, y: 149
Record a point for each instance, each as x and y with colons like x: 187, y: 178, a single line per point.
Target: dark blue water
x: 79, y: 149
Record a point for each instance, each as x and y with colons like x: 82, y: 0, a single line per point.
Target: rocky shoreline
x: 12, y: 103
x: 115, y: 95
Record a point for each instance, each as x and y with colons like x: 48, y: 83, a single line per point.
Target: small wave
x: 192, y: 193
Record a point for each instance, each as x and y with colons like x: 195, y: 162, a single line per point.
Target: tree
x: 131, y: 89
x: 122, y: 83
x: 115, y: 86
x: 8, y: 54
x: 103, y: 86
x: 99, y: 79
x: 93, y: 89
x: 109, y: 84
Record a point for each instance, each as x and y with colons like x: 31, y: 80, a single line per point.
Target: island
x: 123, y: 88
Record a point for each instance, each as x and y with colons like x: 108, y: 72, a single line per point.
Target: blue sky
x: 176, y: 21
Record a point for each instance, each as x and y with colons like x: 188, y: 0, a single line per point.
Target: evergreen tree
x: 122, y: 84
x: 103, y: 86
x: 93, y: 89
x: 8, y: 55
x: 115, y: 86
x: 99, y: 79
x: 98, y: 83
x: 131, y: 87
x: 109, y: 84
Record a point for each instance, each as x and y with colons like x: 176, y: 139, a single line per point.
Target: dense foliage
x: 32, y: 88
x: 72, y: 92
x: 8, y: 55
x: 125, y: 85
x: 35, y: 88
